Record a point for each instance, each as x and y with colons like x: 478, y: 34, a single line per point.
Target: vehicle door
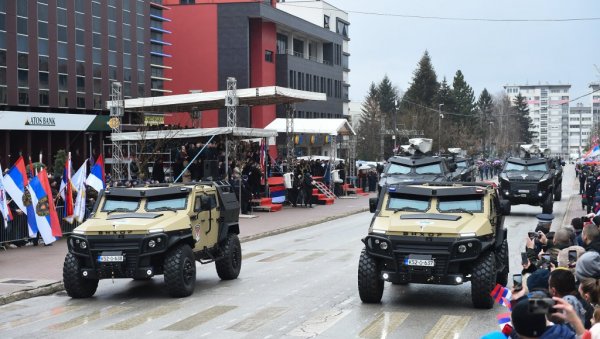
x: 205, y: 226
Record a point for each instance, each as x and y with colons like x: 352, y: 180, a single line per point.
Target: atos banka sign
x: 40, y: 121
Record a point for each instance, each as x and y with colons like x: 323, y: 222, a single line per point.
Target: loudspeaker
x: 211, y: 169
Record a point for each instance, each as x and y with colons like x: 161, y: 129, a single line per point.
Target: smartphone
x: 541, y: 305
x: 532, y: 235
x: 572, y: 256
x: 550, y: 235
x: 585, y: 219
x: 517, y: 282
x: 546, y: 257
x: 524, y: 258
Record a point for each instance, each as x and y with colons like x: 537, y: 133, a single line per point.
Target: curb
x: 58, y: 286
x: 31, y: 293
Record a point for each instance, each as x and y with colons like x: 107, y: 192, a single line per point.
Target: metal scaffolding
x: 231, y: 102
x: 289, y: 134
x: 116, y: 115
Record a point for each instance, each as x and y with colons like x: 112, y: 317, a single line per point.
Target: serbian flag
x: 78, y: 182
x: 66, y: 189
x: 40, y: 218
x: 501, y: 295
x: 96, y: 178
x: 263, y: 159
x: 595, y: 150
x: 54, y: 221
x: 15, y: 182
x: 503, y: 319
x: 6, y: 214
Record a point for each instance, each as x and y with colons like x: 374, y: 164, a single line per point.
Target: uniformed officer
x: 544, y: 222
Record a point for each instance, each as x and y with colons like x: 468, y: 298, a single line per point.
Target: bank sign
x: 34, y: 121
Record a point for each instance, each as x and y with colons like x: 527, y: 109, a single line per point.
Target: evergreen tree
x: 387, y: 96
x: 424, y: 86
x: 464, y: 96
x: 369, y: 127
x: 445, y: 96
x: 523, y: 118
x: 485, y: 103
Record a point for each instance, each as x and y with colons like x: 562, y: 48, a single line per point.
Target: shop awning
x: 272, y: 95
x: 38, y: 121
x: 315, y: 126
x: 194, y: 133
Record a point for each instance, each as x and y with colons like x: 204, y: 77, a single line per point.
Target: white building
x: 325, y: 15
x: 580, y: 128
x: 549, y: 112
x: 595, y: 104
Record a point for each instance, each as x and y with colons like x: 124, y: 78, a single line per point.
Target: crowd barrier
x: 17, y: 228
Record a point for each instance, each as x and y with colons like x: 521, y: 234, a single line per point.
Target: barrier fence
x: 17, y: 228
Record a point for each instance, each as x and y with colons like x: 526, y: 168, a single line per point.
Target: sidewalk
x: 30, y: 271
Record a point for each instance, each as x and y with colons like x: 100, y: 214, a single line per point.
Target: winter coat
x: 561, y: 331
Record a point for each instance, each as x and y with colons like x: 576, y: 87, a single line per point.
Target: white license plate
x: 523, y: 195
x: 523, y: 191
x: 419, y: 262
x: 110, y: 258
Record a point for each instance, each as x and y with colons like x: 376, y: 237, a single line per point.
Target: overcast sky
x: 490, y: 54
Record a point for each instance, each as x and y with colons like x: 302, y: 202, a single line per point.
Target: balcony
x: 301, y: 56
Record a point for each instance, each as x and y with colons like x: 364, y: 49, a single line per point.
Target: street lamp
x: 440, y: 117
x: 490, y: 134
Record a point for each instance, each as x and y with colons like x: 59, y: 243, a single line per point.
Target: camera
x: 572, y: 257
x: 517, y: 282
x: 524, y: 258
x: 533, y: 235
x: 541, y: 306
x: 544, y: 262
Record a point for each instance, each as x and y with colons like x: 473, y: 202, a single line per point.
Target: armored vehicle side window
x: 514, y: 167
x: 537, y: 167
x: 177, y: 202
x: 460, y: 203
x: 400, y: 202
x: 120, y: 204
x: 461, y: 164
x: 429, y: 169
x: 398, y: 169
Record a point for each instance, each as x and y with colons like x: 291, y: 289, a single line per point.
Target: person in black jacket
x: 307, y: 186
x: 158, y: 171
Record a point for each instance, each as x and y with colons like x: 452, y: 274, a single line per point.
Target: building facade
x: 580, y: 129
x: 595, y: 105
x: 259, y: 45
x: 58, y: 59
x: 549, y: 112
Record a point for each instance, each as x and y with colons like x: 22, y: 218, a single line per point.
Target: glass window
x: 405, y: 202
x: 80, y: 5
x: 268, y: 56
x: 22, y: 60
x: 141, y: 89
x: 22, y: 43
x: 80, y: 101
x: 61, y: 16
x: 537, y: 167
x: 61, y: 3
x: 112, y: 13
x: 126, y: 74
x: 126, y: 32
x: 112, y: 72
x: 63, y: 99
x: 96, y: 9
x: 80, y: 53
x: 97, y: 85
x: 62, y: 66
x: 514, y: 167
x: 44, y: 84
x: 63, y: 82
x: 63, y: 50
x: 398, y: 169
x: 112, y: 43
x: 97, y: 71
x: 80, y: 84
x: 140, y: 49
x: 44, y: 98
x: 112, y: 58
x: 97, y: 40
x: 96, y: 25
x: 22, y: 25
x: 460, y: 204
x: 23, y: 96
x: 97, y: 101
x: 140, y: 34
x: 3, y: 95
x: 3, y: 6
x: 22, y: 8
x: 2, y: 21
x: 42, y: 12
x: 79, y: 20
x: 79, y: 37
x: 326, y: 21
x: 126, y: 17
x: 127, y: 60
x: 97, y: 55
x: 120, y: 204
x: 80, y: 68
x: 126, y: 46
x: 127, y: 89
x: 3, y: 76
x: 43, y: 47
x: 112, y: 28
x: 141, y: 77
x: 166, y: 203
x: 141, y: 63
x: 429, y: 169
x: 62, y: 33
x: 42, y: 29
x: 126, y: 5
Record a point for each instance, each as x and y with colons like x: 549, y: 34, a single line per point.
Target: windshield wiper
x: 120, y: 209
x: 163, y: 209
x: 429, y: 173
x: 412, y: 209
x: 461, y: 210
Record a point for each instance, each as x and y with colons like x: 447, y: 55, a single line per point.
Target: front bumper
x: 139, y: 258
x: 451, y: 267
x: 523, y: 192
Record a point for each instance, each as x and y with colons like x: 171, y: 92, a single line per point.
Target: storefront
x: 34, y: 134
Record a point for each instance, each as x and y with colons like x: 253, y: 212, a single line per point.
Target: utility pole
x: 490, y: 134
x: 440, y: 117
x: 395, y: 126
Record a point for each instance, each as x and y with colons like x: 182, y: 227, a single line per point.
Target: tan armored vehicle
x: 435, y: 233
x: 146, y: 231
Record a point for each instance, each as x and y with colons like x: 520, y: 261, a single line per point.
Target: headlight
x: 383, y: 245
x: 83, y: 244
x: 462, y: 249
x: 151, y: 243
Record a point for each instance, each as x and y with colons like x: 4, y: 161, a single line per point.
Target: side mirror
x: 373, y: 205
x: 504, y: 207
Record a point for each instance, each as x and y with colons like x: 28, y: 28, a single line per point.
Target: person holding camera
x: 562, y: 284
x: 530, y: 319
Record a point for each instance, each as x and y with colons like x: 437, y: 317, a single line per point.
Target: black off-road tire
x: 547, y: 206
x: 75, y: 284
x: 370, y: 284
x: 483, y: 280
x: 558, y: 194
x: 502, y: 258
x: 180, y: 271
x: 228, y: 267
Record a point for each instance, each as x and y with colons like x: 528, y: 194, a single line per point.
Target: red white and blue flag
x: 501, y: 295
x: 263, y: 159
x: 66, y: 189
x: 15, y: 182
x: 6, y: 214
x: 40, y: 219
x: 503, y: 319
x: 96, y: 179
x: 54, y: 221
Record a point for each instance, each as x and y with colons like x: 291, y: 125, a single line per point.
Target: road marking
x: 251, y: 254
x: 198, y: 318
x: 383, y: 325
x: 319, y: 323
x: 258, y: 319
x: 143, y: 317
x: 276, y: 257
x: 27, y: 320
x: 449, y: 326
x: 88, y: 318
x: 311, y: 257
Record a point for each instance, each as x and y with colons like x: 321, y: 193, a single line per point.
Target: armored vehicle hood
x: 431, y: 224
x: 524, y: 175
x: 136, y: 222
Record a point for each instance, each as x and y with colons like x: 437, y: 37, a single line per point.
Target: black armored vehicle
x: 534, y: 179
